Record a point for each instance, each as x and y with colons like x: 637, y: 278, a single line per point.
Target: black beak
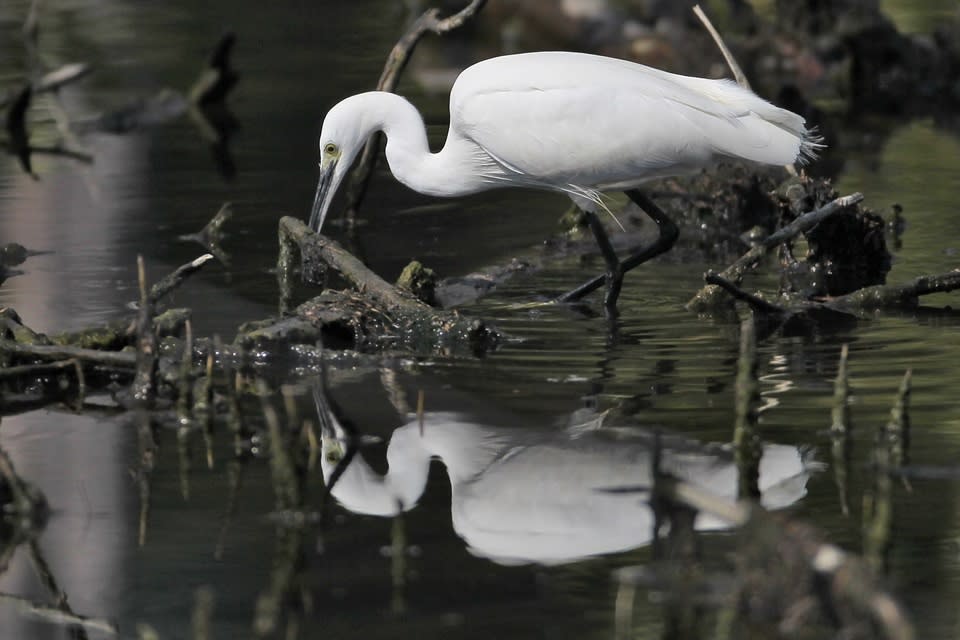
x: 325, y: 192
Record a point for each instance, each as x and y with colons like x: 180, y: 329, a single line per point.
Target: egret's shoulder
x: 546, y: 71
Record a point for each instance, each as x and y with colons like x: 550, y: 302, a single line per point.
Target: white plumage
x: 568, y: 122
x: 587, y: 121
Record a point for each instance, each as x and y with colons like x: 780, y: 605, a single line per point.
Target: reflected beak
x: 326, y: 189
x: 330, y: 428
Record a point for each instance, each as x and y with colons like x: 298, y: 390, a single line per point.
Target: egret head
x: 345, y: 130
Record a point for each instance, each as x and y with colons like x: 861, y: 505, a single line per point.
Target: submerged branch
x: 123, y: 360
x: 903, y: 296
x: 756, y: 303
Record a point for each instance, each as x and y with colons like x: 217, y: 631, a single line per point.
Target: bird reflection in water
x: 522, y: 496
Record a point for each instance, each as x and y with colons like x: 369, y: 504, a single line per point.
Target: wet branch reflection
x: 285, y: 598
x: 204, y: 103
x: 24, y: 515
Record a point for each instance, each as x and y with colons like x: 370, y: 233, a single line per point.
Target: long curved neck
x: 451, y: 172
x: 362, y: 490
x: 465, y: 448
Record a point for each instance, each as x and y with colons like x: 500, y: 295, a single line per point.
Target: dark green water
x: 676, y: 369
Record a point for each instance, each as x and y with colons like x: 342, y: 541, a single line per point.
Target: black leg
x: 613, y: 278
x: 614, y: 275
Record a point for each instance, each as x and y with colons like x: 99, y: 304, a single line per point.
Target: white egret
x: 568, y: 122
x: 520, y: 496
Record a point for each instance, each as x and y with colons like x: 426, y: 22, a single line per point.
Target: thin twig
x: 755, y: 302
x: 201, y: 618
x: 175, y: 279
x: 735, y: 68
x: 840, y: 430
x: 738, y: 73
x: 145, y: 381
x: 747, y: 446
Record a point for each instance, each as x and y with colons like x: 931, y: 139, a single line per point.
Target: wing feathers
x: 556, y: 119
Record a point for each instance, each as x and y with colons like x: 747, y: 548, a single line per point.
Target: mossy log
x: 377, y: 315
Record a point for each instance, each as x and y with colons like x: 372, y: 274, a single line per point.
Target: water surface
x: 670, y: 368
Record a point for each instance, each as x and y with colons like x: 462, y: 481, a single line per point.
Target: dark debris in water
x: 375, y: 315
x: 205, y: 103
x: 138, y: 114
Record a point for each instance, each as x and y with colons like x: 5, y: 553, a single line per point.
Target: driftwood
x: 706, y: 298
x: 205, y: 103
x: 850, y: 245
x: 904, y: 296
x: 806, y: 313
x: 43, y: 80
x: 379, y: 315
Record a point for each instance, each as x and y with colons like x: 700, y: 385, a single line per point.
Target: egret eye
x: 329, y: 149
